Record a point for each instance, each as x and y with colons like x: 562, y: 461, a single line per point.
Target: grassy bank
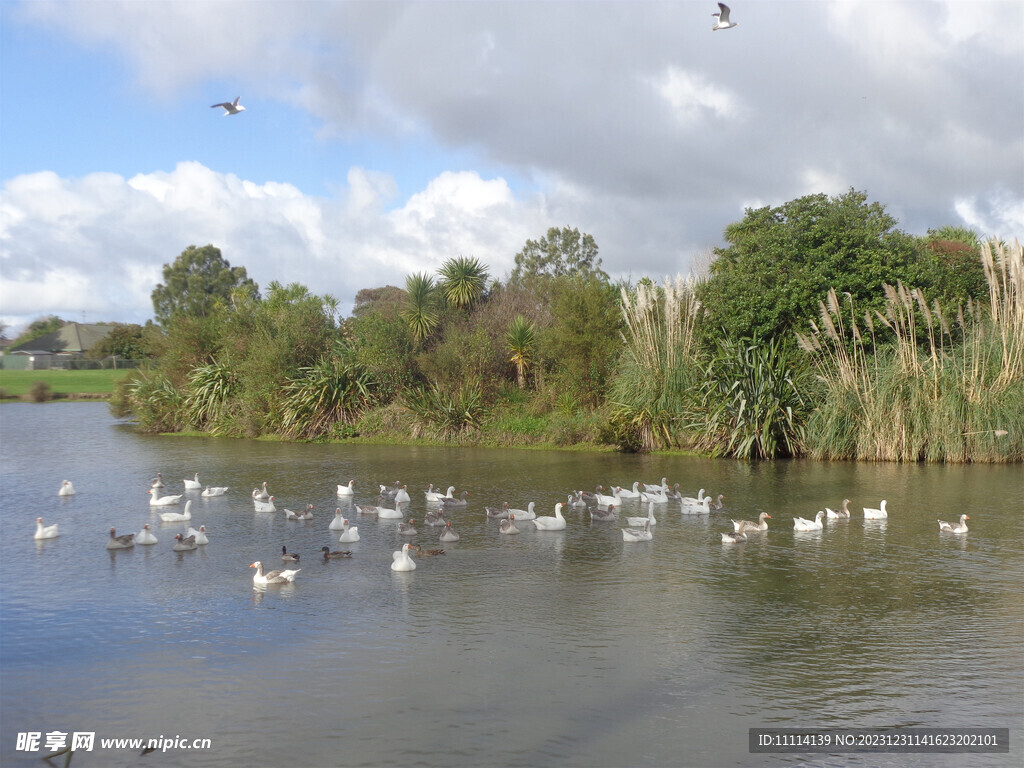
x: 60, y: 382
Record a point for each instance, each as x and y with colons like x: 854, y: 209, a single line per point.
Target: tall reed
x: 915, y: 383
x: 653, y: 381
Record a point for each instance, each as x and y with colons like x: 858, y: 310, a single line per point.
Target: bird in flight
x: 233, y: 107
x: 723, y: 18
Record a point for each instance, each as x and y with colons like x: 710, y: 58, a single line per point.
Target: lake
x: 568, y: 648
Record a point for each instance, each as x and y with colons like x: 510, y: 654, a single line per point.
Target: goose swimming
x: 66, y: 489
x: 272, y: 577
x: 120, y: 542
x: 960, y: 527
x: 45, y: 531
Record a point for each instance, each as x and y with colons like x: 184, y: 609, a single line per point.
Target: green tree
x: 949, y: 268
x: 421, y: 311
x: 39, y: 327
x: 462, y: 281
x: 780, y: 262
x: 561, y: 252
x: 582, y: 343
x: 125, y: 340
x: 521, y: 339
x: 197, y: 282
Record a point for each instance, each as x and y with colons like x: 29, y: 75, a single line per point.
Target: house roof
x: 73, y: 337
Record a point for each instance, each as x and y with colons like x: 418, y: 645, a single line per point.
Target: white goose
x: 402, y: 496
x: 832, y: 514
x: 800, y: 524
x: 449, y: 534
x: 638, y: 522
x: 508, y: 525
x: 871, y: 513
x: 663, y: 486
x: 654, y: 497
x: 200, y: 535
x: 603, y: 499
x: 162, y: 501
x: 693, y: 500
x: 385, y: 513
x: 722, y: 22
x: 259, y: 505
x: 400, y: 561
x: 525, y: 514
x: 261, y: 494
x: 548, y: 523
x: 178, y: 517
x: 747, y: 525
x: 627, y: 494
x: 436, y: 496
x: 45, y: 532
x: 339, y: 523
x: 350, y: 534
x: 347, y: 490
x: 272, y: 577
x: 120, y: 542
x: 960, y: 527
x: 638, y: 534
x: 703, y: 508
x: 193, y: 485
x: 66, y: 489
x: 215, y: 490
x: 145, y: 536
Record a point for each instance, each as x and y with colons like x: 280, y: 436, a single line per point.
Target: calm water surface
x: 568, y: 648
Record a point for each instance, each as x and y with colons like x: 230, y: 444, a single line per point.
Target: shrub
x: 39, y: 392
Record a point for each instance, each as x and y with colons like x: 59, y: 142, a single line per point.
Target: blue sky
x: 381, y: 138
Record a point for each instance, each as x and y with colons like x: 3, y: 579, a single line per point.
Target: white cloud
x: 98, y: 244
x: 693, y: 97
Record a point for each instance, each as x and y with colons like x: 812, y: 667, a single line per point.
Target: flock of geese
x: 600, y: 505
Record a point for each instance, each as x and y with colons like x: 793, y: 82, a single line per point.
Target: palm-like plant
x: 323, y: 395
x: 420, y: 305
x: 520, y: 339
x: 209, y: 386
x: 462, y: 281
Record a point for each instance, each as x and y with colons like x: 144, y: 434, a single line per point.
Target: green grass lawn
x: 99, y: 382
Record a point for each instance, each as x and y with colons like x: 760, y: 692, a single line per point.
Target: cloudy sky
x: 381, y: 138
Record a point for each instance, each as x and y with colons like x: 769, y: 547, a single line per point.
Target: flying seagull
x: 723, y: 18
x: 233, y: 107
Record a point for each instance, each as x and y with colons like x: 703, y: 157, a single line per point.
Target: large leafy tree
x: 781, y: 261
x: 462, y: 281
x: 582, y: 340
x: 125, y: 340
x: 198, y: 281
x: 560, y: 253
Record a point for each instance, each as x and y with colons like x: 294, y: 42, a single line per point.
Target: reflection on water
x: 568, y: 648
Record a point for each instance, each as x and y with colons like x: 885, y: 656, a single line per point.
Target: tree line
x: 739, y: 361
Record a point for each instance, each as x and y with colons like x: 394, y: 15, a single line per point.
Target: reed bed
x: 917, y: 383
x: 653, y: 386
